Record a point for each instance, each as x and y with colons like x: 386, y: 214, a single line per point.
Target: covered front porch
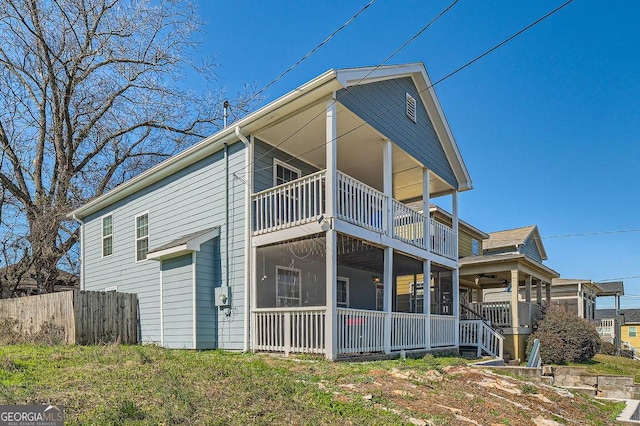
x: 371, y: 312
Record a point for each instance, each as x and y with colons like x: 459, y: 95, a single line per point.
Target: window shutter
x: 411, y: 108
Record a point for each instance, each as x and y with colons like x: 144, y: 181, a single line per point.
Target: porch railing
x: 302, y: 201
x: 528, y: 313
x: 294, y: 203
x: 408, y: 331
x: 443, y: 331
x: 360, y: 330
x: 300, y: 330
x: 497, y: 313
x: 478, y: 334
x: 607, y: 328
x: 360, y: 204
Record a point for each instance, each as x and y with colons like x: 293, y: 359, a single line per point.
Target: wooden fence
x: 87, y: 317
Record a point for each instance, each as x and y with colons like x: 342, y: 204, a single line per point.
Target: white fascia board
x: 206, y: 147
x: 355, y: 76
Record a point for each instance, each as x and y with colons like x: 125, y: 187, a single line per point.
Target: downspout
x: 81, y: 250
x: 247, y: 237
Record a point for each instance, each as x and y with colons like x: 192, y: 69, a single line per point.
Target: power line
x: 348, y: 89
x: 312, y: 51
x: 451, y: 74
x: 589, y: 234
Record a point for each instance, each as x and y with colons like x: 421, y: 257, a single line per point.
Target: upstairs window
x: 283, y: 172
x: 107, y: 235
x: 142, y: 236
x: 475, y: 247
x: 411, y: 108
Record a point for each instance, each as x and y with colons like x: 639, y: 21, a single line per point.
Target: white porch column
x: 527, y: 288
x: 426, y: 300
x: 539, y: 292
x: 387, y: 183
x: 580, y: 301
x: 426, y: 189
x: 331, y: 319
x: 455, y: 216
x: 388, y: 287
x: 254, y: 295
x: 515, y: 322
x: 456, y: 272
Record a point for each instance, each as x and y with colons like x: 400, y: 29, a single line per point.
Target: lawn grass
x: 614, y: 365
x: 118, y: 384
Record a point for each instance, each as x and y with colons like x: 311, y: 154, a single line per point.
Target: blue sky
x: 547, y: 124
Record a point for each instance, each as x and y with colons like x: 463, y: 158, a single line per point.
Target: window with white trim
x: 416, y: 297
x: 142, y: 236
x: 342, y: 292
x: 283, y: 172
x: 288, y: 287
x: 107, y: 235
x: 411, y: 108
x: 633, y: 332
x: 111, y: 289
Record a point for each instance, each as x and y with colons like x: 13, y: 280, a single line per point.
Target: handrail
x: 478, y: 317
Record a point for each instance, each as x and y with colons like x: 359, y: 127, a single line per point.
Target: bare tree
x: 91, y: 93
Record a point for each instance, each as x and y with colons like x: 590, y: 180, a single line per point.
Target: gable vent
x: 411, y: 108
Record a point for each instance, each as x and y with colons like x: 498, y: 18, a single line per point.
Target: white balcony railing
x: 303, y: 201
x: 294, y: 203
x: 499, y: 313
x: 360, y: 204
x: 607, y: 328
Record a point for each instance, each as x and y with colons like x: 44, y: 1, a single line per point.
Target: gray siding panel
x: 208, y: 276
x: 530, y: 249
x: 190, y: 200
x: 263, y: 166
x: 382, y: 105
x: 177, y: 302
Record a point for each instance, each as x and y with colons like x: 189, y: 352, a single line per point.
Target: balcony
x: 303, y: 201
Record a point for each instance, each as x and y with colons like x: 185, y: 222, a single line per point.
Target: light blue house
x: 287, y: 231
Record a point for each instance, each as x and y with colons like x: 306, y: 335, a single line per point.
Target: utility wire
x: 451, y: 74
x: 348, y: 89
x: 312, y: 51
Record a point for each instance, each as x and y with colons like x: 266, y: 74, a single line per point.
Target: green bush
x: 564, y: 337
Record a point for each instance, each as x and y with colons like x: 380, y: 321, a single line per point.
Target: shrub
x: 564, y: 337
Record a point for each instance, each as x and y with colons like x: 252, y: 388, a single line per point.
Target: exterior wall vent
x: 411, y: 108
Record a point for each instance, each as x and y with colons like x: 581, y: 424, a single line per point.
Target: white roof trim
x: 186, y: 248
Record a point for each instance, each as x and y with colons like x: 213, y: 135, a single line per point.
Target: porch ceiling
x: 302, y: 135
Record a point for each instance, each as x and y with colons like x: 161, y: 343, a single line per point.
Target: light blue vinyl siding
x: 530, y: 249
x: 382, y: 105
x: 190, y: 200
x: 207, y: 276
x: 263, y: 167
x: 177, y: 302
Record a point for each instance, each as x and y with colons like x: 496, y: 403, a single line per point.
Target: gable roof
x: 313, y: 91
x: 183, y: 245
x: 514, y: 238
x: 631, y: 316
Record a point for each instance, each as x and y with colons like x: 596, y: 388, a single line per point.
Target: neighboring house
x: 630, y: 330
x: 288, y: 231
x: 65, y: 281
x: 609, y: 322
x: 576, y: 296
x: 510, y: 256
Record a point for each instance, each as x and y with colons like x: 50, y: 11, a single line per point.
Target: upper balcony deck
x: 303, y: 201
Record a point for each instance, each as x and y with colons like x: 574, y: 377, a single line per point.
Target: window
x: 283, y: 172
x: 475, y: 247
x: 287, y: 287
x: 632, y: 332
x: 107, y: 236
x: 111, y: 289
x: 411, y: 108
x: 142, y: 236
x: 379, y: 297
x: 416, y: 298
x: 342, y: 292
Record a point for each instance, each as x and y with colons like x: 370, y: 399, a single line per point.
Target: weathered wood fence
x: 87, y: 317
